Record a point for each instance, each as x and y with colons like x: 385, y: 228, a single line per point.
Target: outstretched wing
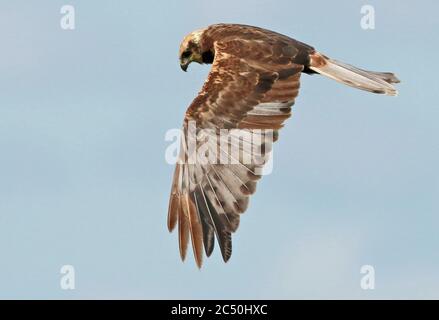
x: 249, y: 91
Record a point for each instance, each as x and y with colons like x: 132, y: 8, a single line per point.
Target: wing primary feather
x: 206, y: 224
x: 183, y: 231
x: 238, y: 203
x: 223, y: 237
x: 174, y: 201
x: 194, y: 223
x: 216, y: 196
x: 194, y: 229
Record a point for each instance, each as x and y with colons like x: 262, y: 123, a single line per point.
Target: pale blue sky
x: 83, y: 179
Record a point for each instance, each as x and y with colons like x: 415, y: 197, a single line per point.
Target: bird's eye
x: 186, y: 54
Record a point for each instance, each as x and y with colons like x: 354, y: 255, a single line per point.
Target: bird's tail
x: 376, y: 82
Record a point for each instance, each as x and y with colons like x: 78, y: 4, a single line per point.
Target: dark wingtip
x: 227, y: 257
x: 208, y: 248
x: 226, y: 247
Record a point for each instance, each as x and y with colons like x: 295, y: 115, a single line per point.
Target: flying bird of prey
x: 251, y: 86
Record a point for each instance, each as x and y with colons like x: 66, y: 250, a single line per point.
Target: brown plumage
x: 250, y: 89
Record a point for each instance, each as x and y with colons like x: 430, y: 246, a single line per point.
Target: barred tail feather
x: 376, y: 82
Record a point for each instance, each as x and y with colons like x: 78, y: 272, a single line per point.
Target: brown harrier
x: 250, y: 89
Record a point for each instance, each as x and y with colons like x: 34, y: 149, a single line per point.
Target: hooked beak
x: 184, y: 65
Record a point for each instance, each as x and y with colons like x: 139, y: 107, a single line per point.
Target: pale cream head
x: 190, y: 49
